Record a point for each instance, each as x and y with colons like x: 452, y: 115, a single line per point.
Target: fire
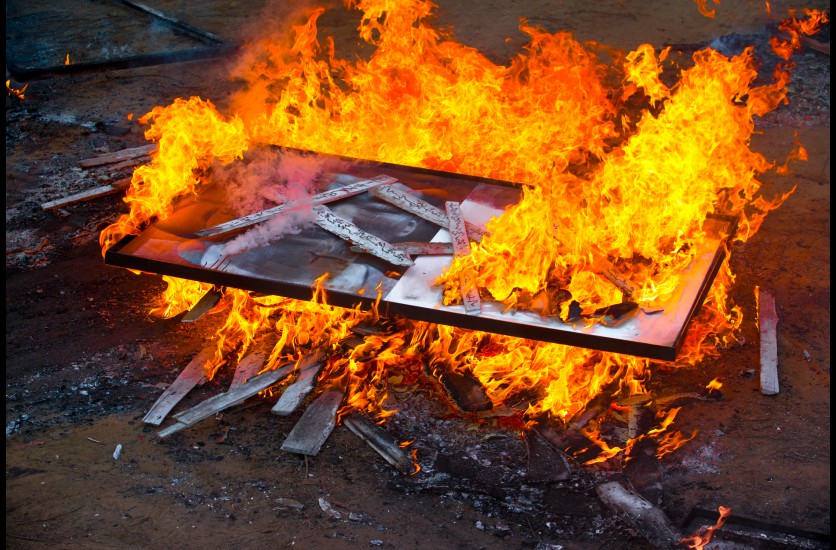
x: 619, y: 171
x: 67, y: 59
x: 703, y: 536
x: 14, y: 91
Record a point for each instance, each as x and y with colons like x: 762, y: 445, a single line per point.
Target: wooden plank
x: 248, y: 367
x: 176, y: 24
x: 118, y: 156
x: 461, y: 248
x: 203, y: 306
x: 90, y: 194
x: 399, y: 195
x: 647, y: 519
x: 381, y: 441
x: 418, y: 249
x: 316, y: 424
x: 191, y: 376
x: 293, y: 395
x: 768, y: 324
x: 218, y: 403
x: 320, y: 198
x: 369, y: 243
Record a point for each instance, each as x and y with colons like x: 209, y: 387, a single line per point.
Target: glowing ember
x: 14, y: 91
x: 619, y: 172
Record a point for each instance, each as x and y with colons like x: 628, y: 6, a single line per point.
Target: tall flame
x: 619, y: 165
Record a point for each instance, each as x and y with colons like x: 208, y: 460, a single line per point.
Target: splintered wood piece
x: 768, y: 323
x: 381, y: 441
x: 418, y: 249
x: 222, y: 401
x: 371, y: 244
x: 293, y: 395
x: 400, y: 195
x: 466, y: 391
x: 247, y: 367
x: 461, y: 248
x: 622, y: 284
x: 316, y: 424
x: 88, y: 195
x: 321, y: 198
x: 203, y: 306
x: 648, y: 520
x: 191, y: 376
x: 118, y: 156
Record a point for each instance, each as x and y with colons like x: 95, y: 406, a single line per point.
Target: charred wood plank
x: 419, y: 249
x: 767, y: 324
x: 88, y: 195
x: 399, y: 195
x: 466, y: 391
x: 369, y: 243
x: 247, y: 367
x: 461, y: 248
x: 546, y: 464
x: 118, y: 156
x: 203, y: 306
x: 316, y: 423
x: 331, y: 195
x: 222, y: 401
x: 293, y: 395
x: 648, y: 520
x: 191, y: 376
x: 381, y: 441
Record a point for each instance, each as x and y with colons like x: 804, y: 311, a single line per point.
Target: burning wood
x: 767, y: 323
x: 399, y: 195
x: 293, y: 395
x: 369, y: 243
x: 418, y: 249
x: 461, y: 248
x: 325, y: 197
x: 203, y: 306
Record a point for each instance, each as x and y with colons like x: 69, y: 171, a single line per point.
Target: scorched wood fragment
x: 316, y: 424
x: 293, y: 395
x: 247, y: 368
x: 381, y: 441
x: 118, y: 156
x: 399, y: 195
x: 369, y: 243
x: 649, y: 520
x: 767, y: 324
x: 461, y: 248
x: 466, y: 391
x: 321, y: 198
x: 203, y: 306
x: 191, y: 376
x: 231, y: 398
x: 88, y: 195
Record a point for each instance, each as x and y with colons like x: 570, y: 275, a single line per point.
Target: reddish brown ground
x: 84, y: 362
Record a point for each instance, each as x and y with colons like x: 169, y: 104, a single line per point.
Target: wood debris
x: 190, y: 377
x: 118, y: 156
x: 369, y: 243
x: 203, y: 306
x: 90, y: 194
x: 316, y: 424
x: 293, y: 395
x: 248, y: 367
x: 381, y: 441
x: 767, y: 324
x: 321, y: 198
x: 461, y: 248
x: 648, y: 520
x: 418, y: 249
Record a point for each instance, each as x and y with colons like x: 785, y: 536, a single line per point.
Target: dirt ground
x: 84, y: 361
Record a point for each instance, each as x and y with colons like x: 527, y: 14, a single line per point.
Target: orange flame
x: 15, y: 92
x: 703, y: 536
x: 619, y: 171
x: 67, y: 60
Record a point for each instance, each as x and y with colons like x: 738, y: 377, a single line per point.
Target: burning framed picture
x: 378, y: 235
